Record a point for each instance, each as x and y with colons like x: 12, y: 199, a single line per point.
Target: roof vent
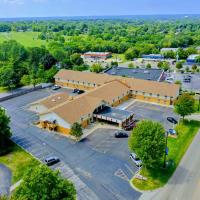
x: 59, y: 97
x: 53, y: 100
x: 134, y: 71
x: 113, y: 73
x: 146, y: 72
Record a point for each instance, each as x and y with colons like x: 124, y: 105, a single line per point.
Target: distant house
x: 153, y: 57
x: 163, y: 50
x: 96, y: 56
x: 192, y: 58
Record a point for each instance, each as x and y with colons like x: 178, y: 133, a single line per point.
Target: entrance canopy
x: 113, y: 115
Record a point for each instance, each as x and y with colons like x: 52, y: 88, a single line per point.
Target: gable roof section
x: 53, y: 100
x: 110, y: 91
x: 72, y: 111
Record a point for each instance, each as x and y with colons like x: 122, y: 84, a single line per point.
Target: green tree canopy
x: 5, y: 132
x: 96, y: 68
x: 184, y: 105
x: 44, y: 184
x: 148, y: 141
x: 76, y: 130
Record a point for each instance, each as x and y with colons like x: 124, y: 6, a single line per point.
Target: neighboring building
x: 96, y: 56
x: 103, y: 93
x: 153, y: 57
x: 163, y: 50
x: 139, y: 73
x: 192, y: 58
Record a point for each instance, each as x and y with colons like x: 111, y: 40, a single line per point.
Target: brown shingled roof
x: 83, y: 76
x: 161, y: 88
x: 53, y: 100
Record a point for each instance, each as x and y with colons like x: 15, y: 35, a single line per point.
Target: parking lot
x: 194, y: 85
x: 153, y: 112
x: 99, y: 167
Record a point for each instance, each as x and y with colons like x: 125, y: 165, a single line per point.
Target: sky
x: 51, y: 8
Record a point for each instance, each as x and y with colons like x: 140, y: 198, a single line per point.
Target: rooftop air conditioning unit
x: 53, y: 100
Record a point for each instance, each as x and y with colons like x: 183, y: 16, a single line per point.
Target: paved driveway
x: 96, y: 174
x: 153, y: 112
x: 5, y: 180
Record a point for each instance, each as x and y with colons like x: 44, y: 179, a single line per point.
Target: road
x: 185, y: 183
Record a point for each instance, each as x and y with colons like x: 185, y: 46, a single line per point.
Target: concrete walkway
x: 5, y: 180
x: 195, y: 116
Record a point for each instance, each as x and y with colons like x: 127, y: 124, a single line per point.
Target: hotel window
x: 136, y: 92
x: 158, y: 95
x: 150, y: 94
x: 165, y: 97
x: 143, y: 93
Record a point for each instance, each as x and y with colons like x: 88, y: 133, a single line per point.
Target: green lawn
x: 28, y: 39
x: 18, y: 161
x: 177, y: 148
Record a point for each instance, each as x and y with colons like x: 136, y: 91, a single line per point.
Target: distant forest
x: 67, y: 39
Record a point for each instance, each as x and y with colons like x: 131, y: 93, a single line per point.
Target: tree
x: 5, y: 132
x: 131, y: 65
x: 194, y: 67
x: 96, y: 68
x: 179, y: 65
x: 76, y: 130
x: 148, y: 141
x: 43, y: 183
x: 184, y: 105
x: 76, y: 59
x: 148, y: 66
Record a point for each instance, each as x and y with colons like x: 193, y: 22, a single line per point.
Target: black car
x: 75, y: 90
x: 80, y: 91
x: 51, y: 160
x: 172, y: 120
x: 121, y: 134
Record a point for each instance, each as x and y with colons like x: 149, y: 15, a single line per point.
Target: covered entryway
x: 114, y: 116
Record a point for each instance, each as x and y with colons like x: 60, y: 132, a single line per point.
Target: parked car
x: 51, y: 160
x: 171, y: 131
x: 121, y: 134
x: 172, y: 120
x: 80, y: 91
x: 187, y: 79
x: 56, y: 87
x: 75, y: 90
x: 135, y: 159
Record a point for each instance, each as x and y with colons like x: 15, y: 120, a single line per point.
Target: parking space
x: 153, y: 112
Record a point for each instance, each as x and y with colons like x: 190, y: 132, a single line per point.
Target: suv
x: 51, y: 160
x: 135, y: 159
x: 121, y: 134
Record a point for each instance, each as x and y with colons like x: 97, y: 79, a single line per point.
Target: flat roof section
x: 138, y: 73
x: 113, y: 114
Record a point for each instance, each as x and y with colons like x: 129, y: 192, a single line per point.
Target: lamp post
x: 166, y: 149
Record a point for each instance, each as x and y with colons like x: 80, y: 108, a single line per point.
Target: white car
x: 135, y: 159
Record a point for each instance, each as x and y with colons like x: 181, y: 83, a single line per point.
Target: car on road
x: 56, y: 87
x: 135, y: 159
x: 121, y: 134
x: 51, y: 161
x: 172, y: 120
x: 171, y: 131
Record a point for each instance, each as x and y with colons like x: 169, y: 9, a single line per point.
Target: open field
x: 28, y: 39
x: 177, y: 148
x: 18, y: 161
